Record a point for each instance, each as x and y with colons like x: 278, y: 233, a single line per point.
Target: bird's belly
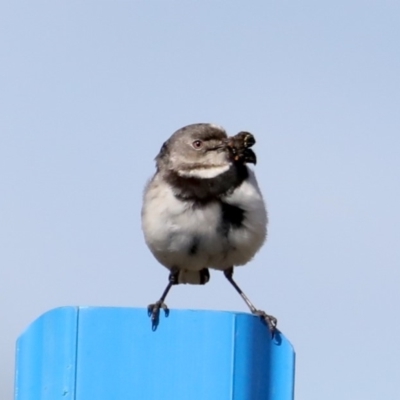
x: 194, y: 237
x: 241, y: 244
x: 183, y: 236
x: 193, y: 240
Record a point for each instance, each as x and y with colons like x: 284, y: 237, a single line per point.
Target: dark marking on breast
x: 204, y: 191
x: 194, y: 246
x: 232, y: 217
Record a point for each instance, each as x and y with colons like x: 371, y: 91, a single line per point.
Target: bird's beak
x: 219, y: 147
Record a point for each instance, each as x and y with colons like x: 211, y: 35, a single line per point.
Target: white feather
x: 205, y: 173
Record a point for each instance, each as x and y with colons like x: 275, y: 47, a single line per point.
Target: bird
x: 203, y: 209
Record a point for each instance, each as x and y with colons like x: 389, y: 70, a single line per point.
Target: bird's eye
x: 197, y: 144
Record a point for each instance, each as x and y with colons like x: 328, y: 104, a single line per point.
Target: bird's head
x: 204, y: 151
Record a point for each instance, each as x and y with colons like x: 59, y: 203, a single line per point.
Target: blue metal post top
x: 96, y: 353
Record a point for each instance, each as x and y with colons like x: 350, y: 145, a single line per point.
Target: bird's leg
x: 269, y: 319
x: 154, y: 309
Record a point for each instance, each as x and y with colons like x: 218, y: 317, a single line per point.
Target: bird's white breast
x: 172, y: 227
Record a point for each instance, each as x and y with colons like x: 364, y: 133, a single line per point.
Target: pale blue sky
x: 90, y: 90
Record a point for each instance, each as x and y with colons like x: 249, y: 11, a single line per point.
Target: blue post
x: 90, y: 353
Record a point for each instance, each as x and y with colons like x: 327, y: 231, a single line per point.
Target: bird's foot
x: 271, y: 321
x: 153, y: 311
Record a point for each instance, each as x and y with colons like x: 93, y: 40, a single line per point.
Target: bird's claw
x: 153, y: 310
x: 271, y: 321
